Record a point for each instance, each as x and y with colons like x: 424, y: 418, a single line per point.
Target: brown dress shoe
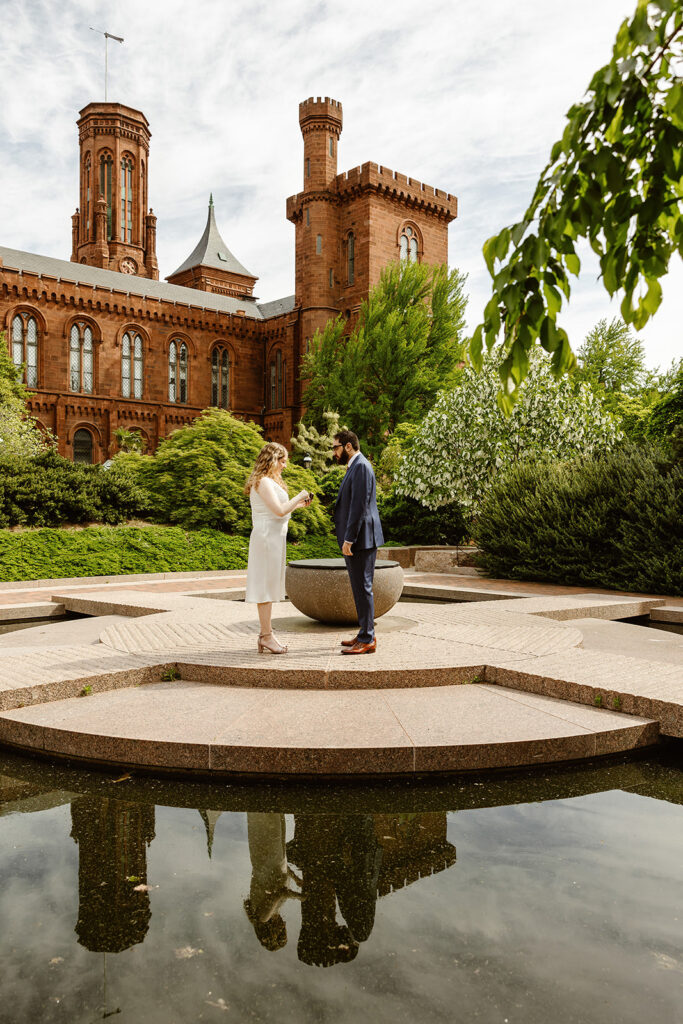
x: 360, y: 648
x: 350, y: 643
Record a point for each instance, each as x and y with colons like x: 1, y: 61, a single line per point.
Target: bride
x: 271, y: 508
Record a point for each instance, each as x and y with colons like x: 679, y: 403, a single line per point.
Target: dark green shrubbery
x: 48, y: 490
x: 116, y: 550
x: 607, y: 521
x: 409, y: 522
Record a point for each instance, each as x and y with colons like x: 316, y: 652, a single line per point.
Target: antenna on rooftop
x: 107, y: 37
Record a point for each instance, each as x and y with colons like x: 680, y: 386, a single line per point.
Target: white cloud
x: 466, y: 97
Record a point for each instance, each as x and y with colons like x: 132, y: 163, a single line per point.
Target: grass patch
x: 120, y: 550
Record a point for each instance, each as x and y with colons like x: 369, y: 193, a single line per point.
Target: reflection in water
x: 112, y: 836
x: 270, y: 874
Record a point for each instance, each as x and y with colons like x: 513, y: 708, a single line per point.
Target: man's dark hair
x: 347, y: 436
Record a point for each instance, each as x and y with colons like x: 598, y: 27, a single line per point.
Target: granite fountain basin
x: 320, y: 588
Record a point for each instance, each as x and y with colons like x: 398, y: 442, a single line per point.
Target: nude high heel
x: 264, y: 648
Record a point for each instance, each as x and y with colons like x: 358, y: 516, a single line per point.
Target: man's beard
x: 343, y: 458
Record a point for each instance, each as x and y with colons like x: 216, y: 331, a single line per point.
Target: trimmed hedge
x: 118, y: 550
x: 610, y: 521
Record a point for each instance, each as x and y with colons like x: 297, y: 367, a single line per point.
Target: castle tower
x: 315, y: 215
x: 114, y: 155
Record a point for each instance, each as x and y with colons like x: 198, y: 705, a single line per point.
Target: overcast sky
x: 465, y: 96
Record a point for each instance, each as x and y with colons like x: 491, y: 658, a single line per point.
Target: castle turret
x: 114, y: 155
x: 321, y: 125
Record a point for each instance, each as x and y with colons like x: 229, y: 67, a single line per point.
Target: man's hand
x: 346, y: 548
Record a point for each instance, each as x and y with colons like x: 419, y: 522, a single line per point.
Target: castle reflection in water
x: 336, y: 866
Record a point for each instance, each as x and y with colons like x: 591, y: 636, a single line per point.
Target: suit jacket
x: 355, y: 514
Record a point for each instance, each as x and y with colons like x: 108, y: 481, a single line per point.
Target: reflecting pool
x: 508, y: 899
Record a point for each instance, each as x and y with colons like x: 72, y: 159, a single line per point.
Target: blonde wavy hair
x: 267, y: 464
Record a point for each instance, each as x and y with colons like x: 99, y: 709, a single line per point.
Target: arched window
x: 25, y: 347
x: 131, y: 360
x: 408, y: 245
x: 220, y: 378
x: 81, y: 358
x: 351, y: 257
x: 106, y: 166
x: 86, y: 210
x: 83, y: 447
x: 126, y: 199
x: 177, y: 372
x: 277, y: 382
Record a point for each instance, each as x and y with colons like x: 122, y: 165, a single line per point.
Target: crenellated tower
x: 114, y: 157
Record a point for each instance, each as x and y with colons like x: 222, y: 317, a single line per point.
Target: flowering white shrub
x: 465, y: 441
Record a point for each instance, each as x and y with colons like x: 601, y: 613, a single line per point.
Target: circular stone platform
x: 321, y: 589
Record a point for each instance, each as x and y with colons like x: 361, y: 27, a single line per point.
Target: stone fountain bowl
x: 321, y: 589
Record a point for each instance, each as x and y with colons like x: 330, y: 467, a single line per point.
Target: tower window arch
x: 408, y: 245
x: 24, y: 332
x: 83, y: 447
x: 106, y: 174
x: 277, y: 381
x: 126, y: 199
x: 132, y: 365
x: 87, y: 173
x: 81, y: 358
x: 351, y: 257
x: 220, y: 378
x: 177, y: 372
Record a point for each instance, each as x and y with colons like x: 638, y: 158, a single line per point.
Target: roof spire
x: 211, y: 199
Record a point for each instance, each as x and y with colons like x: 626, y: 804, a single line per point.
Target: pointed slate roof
x: 211, y: 251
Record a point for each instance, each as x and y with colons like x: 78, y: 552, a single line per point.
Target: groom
x: 359, y: 534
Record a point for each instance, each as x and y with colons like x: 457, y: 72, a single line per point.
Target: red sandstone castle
x: 105, y: 344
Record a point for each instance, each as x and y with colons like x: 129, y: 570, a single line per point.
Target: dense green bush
x: 607, y: 521
x: 48, y: 490
x: 408, y: 521
x: 196, y: 477
x: 116, y: 550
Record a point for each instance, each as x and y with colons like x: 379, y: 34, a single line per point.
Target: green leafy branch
x: 615, y: 178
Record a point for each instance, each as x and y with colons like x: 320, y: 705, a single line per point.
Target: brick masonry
x: 373, y: 202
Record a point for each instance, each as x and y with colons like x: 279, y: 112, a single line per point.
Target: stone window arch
x: 409, y: 243
x: 81, y: 357
x: 132, y: 365
x: 277, y: 385
x: 24, y: 341
x: 83, y: 446
x: 126, y: 222
x: 106, y: 185
x: 220, y: 377
x: 177, y: 371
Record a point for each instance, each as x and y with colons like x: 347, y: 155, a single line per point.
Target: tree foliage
x: 196, y: 477
x: 612, y: 358
x: 19, y: 435
x: 466, y: 441
x: 308, y: 440
x: 614, y: 178
x: 405, y: 347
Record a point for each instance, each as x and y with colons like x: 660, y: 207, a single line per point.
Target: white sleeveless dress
x: 267, y: 551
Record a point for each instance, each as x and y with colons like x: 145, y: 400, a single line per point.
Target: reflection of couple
x: 339, y: 859
x: 357, y: 525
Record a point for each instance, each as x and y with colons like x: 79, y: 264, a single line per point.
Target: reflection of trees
x: 112, y: 837
x: 348, y: 860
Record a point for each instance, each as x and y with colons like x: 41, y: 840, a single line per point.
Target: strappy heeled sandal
x: 264, y: 648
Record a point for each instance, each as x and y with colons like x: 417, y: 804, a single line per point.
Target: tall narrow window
x: 137, y: 367
x: 83, y: 447
x: 308, y: 216
x: 351, y: 257
x: 308, y: 167
x: 106, y: 164
x: 87, y: 197
x: 408, y: 245
x: 273, y: 386
x: 318, y: 244
x: 125, y: 366
x: 284, y: 385
x: 220, y: 378
x: 182, y: 373
x: 25, y: 347
x: 331, y: 278
x: 126, y: 200
x: 331, y: 146
x: 81, y: 358
x: 278, y: 363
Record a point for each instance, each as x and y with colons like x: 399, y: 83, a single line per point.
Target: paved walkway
x: 546, y: 679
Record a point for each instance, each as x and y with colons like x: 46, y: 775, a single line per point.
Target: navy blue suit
x: 356, y: 519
